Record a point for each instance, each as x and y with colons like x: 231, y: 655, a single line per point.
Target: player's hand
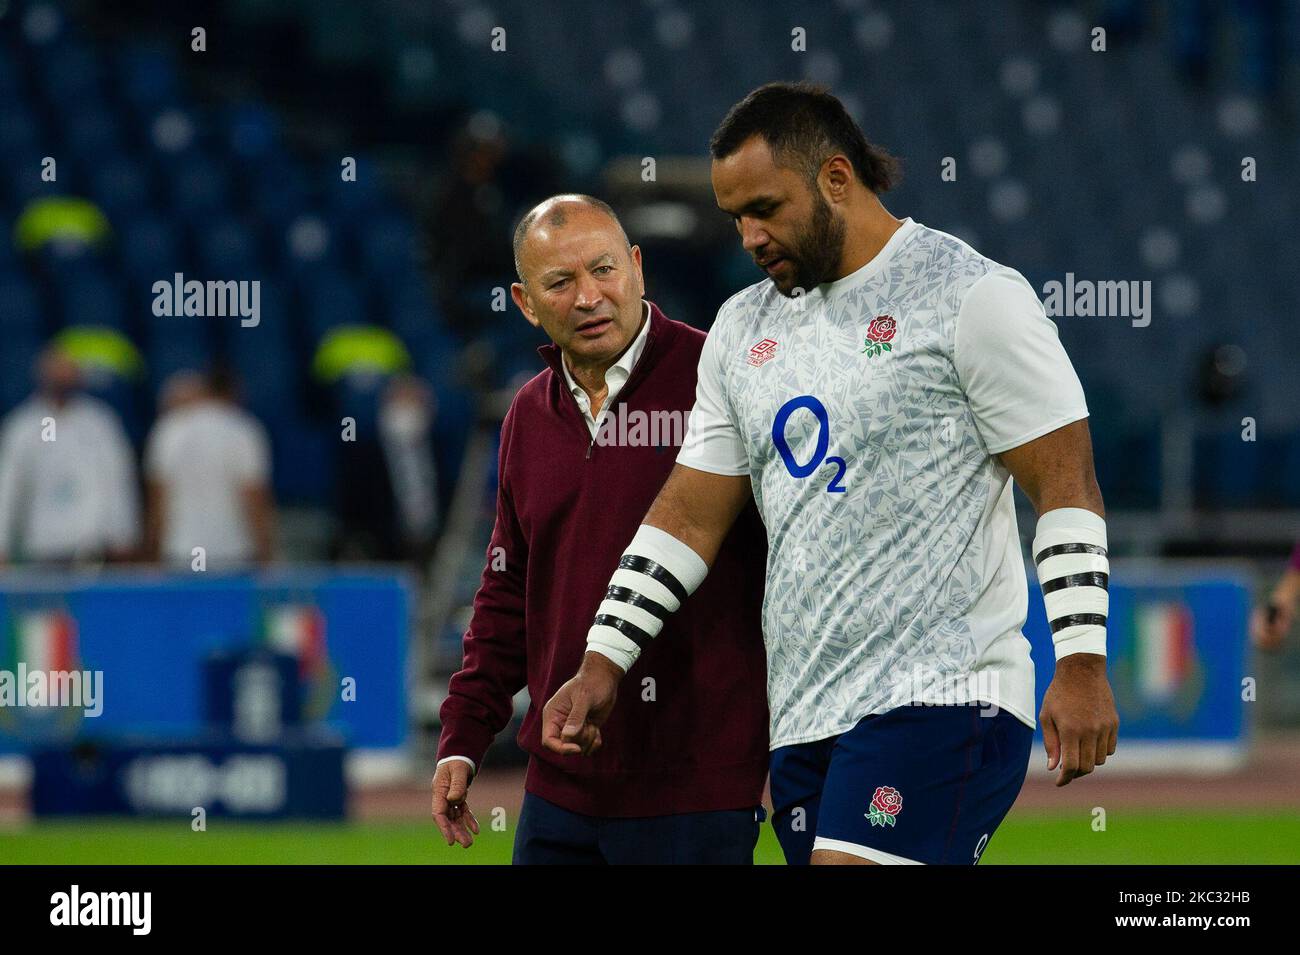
x: 572, y: 717
x: 1270, y: 623
x: 1080, y: 725
x: 450, y: 810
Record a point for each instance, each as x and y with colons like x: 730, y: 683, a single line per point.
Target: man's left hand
x: 1080, y: 725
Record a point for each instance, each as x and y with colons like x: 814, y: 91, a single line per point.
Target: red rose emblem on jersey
x: 880, y: 333
x: 886, y: 804
x: 882, y: 328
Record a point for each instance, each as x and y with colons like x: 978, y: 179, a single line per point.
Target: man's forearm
x: 699, y: 509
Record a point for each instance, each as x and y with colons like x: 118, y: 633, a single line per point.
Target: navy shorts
x: 917, y: 784
x: 549, y: 835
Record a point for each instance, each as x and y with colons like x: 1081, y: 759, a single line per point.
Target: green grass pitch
x: 1130, y: 837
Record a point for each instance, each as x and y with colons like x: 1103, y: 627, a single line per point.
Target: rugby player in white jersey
x: 876, y: 395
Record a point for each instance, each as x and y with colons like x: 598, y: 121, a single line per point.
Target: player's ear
x: 519, y: 292
x: 636, y: 267
x: 836, y: 178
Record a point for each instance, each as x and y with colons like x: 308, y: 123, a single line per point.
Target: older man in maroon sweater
x: 585, y: 447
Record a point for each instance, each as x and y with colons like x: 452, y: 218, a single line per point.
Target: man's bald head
x: 555, y: 212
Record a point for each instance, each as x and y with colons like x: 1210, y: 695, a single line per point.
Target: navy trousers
x: 549, y: 835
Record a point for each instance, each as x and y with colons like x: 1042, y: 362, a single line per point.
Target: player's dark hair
x: 555, y: 215
x: 804, y: 125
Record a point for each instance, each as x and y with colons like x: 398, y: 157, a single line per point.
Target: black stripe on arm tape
x: 629, y: 596
x: 629, y: 630
x: 1047, y: 552
x: 644, y: 565
x: 1093, y: 578
x: 1078, y: 619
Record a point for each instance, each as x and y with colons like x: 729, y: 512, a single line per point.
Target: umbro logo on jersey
x: 764, y: 351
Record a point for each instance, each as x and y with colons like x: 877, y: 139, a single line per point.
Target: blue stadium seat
x: 388, y: 248
x: 171, y: 353
x: 120, y: 187
x: 1283, y: 477
x: 199, y: 189
x: 150, y: 249
x: 252, y: 131
x: 1228, y: 472
x: 1128, y: 466
x: 148, y: 77
x: 19, y: 131
x: 332, y: 298
x: 91, y: 131
x: 302, y: 461
x: 20, y: 308
x: 17, y: 360
x: 90, y: 296
x: 227, y: 248
x: 70, y: 72
x: 270, y: 380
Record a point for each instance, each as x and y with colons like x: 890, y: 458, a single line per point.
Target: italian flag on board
x: 298, y: 630
x: 45, y: 640
x: 1164, y: 649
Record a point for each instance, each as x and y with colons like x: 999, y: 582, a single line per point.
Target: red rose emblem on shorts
x: 882, y: 328
x: 879, y: 334
x: 886, y: 804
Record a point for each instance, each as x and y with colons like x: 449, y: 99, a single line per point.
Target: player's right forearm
x: 699, y: 509
x: 667, y: 559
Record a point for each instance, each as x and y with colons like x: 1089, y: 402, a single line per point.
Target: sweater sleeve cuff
x: 464, y: 759
x: 465, y: 739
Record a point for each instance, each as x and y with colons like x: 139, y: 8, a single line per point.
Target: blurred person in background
x: 405, y: 433
x: 181, y: 388
x: 1270, y: 623
x: 483, y: 189
x: 67, y: 475
x: 208, y: 479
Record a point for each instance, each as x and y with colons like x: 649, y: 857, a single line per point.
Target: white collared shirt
x: 615, y: 377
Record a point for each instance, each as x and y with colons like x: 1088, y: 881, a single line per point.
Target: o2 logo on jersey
x: 797, y: 470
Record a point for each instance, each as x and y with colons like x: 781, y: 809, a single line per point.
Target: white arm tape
x: 663, y: 573
x: 1074, y: 571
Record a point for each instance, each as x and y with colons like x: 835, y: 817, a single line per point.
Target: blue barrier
x: 301, y: 776
x: 148, y: 636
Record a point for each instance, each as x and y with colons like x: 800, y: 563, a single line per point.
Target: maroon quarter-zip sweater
x: 689, y: 731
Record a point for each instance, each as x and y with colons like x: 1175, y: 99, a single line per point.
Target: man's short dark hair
x: 556, y: 217
x: 804, y: 125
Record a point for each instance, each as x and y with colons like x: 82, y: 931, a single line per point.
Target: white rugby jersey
x: 867, y: 413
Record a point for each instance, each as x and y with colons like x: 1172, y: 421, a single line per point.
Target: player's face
x: 784, y: 222
x: 584, y: 285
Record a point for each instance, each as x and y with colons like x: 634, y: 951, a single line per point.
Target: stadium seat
x: 228, y: 249
x: 89, y: 296
x: 120, y: 187
x: 20, y: 309
x: 1228, y: 471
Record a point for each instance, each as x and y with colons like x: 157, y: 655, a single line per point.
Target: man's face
x: 58, y: 376
x: 584, y: 286
x: 786, y: 224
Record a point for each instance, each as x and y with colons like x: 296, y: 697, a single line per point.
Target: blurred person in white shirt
x: 68, y: 491
x: 208, y: 480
